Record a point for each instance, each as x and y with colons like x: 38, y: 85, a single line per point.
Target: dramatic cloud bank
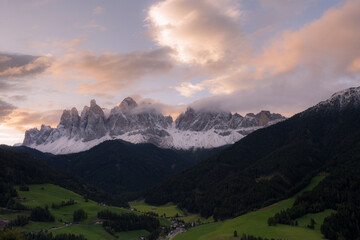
x: 292, y: 71
x: 238, y: 56
x: 200, y: 32
x: 111, y: 72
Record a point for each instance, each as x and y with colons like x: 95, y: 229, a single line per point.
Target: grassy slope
x: 170, y: 210
x: 255, y: 223
x: 54, y: 194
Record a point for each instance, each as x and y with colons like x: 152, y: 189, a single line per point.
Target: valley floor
x: 255, y: 224
x: 46, y: 194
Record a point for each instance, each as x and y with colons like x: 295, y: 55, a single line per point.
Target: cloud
x: 5, y: 110
x: 19, y: 98
x: 68, y: 44
x: 354, y: 66
x: 148, y: 104
x: 275, y: 98
x: 111, y: 72
x: 4, y: 59
x: 295, y: 69
x: 98, y: 10
x: 33, y: 67
x: 199, y: 32
x: 92, y: 24
x: 15, y: 68
x: 187, y: 89
x: 24, y: 119
x: 328, y: 44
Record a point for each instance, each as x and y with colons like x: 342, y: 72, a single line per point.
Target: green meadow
x: 46, y: 194
x: 255, y: 223
x: 169, y: 210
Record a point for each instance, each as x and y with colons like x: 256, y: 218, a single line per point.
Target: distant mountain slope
x: 269, y: 164
x: 144, y: 124
x: 21, y: 168
x: 118, y: 166
x: 31, y: 151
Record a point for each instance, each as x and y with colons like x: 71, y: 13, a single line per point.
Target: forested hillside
x: 267, y: 165
x: 20, y: 168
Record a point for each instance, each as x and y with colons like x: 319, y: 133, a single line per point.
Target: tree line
x: 339, y: 191
x: 114, y: 222
x: 17, y: 234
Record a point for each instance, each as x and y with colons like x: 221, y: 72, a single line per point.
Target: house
x: 67, y: 224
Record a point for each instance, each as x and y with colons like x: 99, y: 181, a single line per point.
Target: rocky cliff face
x: 204, y: 121
x: 136, y: 124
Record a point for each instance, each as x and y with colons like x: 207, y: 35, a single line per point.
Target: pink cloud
x: 110, y: 72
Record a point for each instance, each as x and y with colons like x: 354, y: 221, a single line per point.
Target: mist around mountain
x: 144, y: 123
x: 268, y: 165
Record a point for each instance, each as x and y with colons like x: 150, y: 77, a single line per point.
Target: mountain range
x: 272, y: 163
x: 142, y: 123
x: 265, y: 167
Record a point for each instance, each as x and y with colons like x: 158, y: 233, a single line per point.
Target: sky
x: 224, y: 55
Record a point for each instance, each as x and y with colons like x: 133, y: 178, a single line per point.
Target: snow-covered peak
x: 341, y: 99
x: 143, y: 124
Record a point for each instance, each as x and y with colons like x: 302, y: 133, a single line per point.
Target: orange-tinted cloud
x: 328, y: 44
x: 68, y: 44
x: 16, y: 69
x: 188, y: 89
x: 5, y: 110
x: 111, y: 72
x: 296, y: 69
x: 92, y: 24
x: 13, y: 66
x: 23, y: 119
x: 35, y: 66
x: 354, y: 66
x: 321, y: 52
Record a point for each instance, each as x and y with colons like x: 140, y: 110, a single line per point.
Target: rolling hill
x: 120, y: 167
x: 21, y: 168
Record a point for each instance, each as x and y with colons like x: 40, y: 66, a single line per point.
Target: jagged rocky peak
x: 92, y: 122
x: 128, y: 104
x: 201, y: 120
x: 37, y: 136
x: 142, y: 122
x: 264, y: 117
x: 129, y: 116
x: 69, y: 123
x: 220, y: 120
x: 30, y: 136
x: 96, y: 109
x: 69, y: 116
